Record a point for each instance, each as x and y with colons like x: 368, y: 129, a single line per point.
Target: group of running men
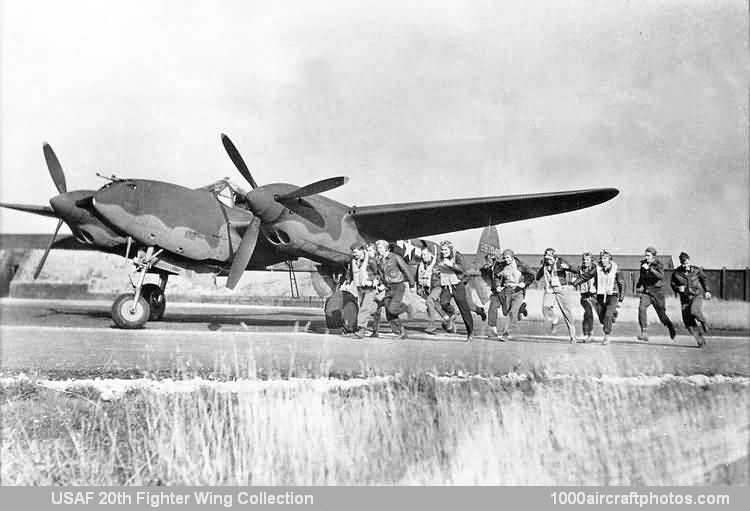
x: 379, y: 276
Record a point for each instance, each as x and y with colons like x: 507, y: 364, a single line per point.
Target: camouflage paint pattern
x: 195, y: 225
x: 189, y: 223
x: 315, y: 227
x: 84, y: 224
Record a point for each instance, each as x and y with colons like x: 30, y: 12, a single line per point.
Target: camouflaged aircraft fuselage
x: 196, y: 225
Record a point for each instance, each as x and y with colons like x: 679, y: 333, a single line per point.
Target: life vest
x: 510, y: 275
x: 605, y: 281
x: 424, y: 274
x: 360, y: 275
x: 448, y: 277
x: 551, y: 277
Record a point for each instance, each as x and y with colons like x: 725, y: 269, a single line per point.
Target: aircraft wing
x: 37, y: 210
x: 415, y: 219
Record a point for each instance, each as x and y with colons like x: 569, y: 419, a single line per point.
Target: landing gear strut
x: 133, y: 310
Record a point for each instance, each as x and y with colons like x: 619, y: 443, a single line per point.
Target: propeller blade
x: 317, y: 187
x: 236, y: 158
x: 55, y: 169
x: 37, y: 210
x: 244, y: 253
x: 46, y: 252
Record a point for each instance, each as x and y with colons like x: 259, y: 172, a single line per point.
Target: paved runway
x: 62, y: 339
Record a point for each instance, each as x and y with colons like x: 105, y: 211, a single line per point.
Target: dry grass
x: 408, y: 430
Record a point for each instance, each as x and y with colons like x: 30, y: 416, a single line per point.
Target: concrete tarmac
x: 64, y: 339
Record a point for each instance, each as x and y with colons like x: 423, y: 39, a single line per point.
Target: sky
x: 413, y: 101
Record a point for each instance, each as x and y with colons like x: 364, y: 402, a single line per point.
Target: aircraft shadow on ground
x: 313, y: 323
x: 211, y: 319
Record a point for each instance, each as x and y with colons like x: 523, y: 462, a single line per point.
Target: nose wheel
x: 128, y: 313
x: 147, y: 301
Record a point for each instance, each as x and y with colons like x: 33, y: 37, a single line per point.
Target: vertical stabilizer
x: 489, y: 241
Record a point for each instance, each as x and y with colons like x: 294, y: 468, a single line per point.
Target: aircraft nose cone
x: 68, y: 205
x: 263, y: 205
x: 63, y: 204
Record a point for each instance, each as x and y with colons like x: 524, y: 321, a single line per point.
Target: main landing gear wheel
x: 157, y: 302
x: 129, y: 314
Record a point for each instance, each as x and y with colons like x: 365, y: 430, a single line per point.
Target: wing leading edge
x: 415, y: 219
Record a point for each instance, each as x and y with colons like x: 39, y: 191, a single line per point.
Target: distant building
x: 624, y: 262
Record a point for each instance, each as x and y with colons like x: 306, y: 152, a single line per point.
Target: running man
x: 453, y: 279
x: 689, y: 282
x: 587, y: 288
x: 609, y: 289
x: 650, y: 287
x: 557, y: 292
x: 394, y: 273
x: 510, y: 278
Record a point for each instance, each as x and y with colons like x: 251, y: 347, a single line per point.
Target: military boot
x: 672, y: 331
x: 375, y: 327
x: 696, y: 332
x: 398, y: 329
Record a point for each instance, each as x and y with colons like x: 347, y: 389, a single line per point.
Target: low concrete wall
x: 58, y: 291
x: 10, y: 262
x: 49, y: 290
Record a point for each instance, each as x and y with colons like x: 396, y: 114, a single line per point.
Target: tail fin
x: 489, y: 241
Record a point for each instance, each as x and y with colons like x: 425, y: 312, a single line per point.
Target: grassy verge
x: 407, y: 430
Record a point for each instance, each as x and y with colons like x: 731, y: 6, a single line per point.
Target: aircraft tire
x: 125, y: 318
x: 157, y: 302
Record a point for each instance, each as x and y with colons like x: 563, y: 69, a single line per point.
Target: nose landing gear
x: 132, y: 310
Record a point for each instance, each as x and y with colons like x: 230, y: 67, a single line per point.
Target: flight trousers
x: 657, y: 299
x: 509, y: 300
x: 558, y: 302
x: 458, y: 293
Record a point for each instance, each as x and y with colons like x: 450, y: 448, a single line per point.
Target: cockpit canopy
x: 227, y: 192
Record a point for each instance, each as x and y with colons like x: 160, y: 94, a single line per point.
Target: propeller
x: 313, y: 188
x: 58, y: 177
x: 244, y: 253
x: 261, y: 202
x: 46, y: 251
x: 236, y: 158
x: 37, y: 210
x: 55, y: 169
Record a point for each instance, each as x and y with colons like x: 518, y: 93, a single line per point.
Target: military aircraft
x: 224, y: 230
